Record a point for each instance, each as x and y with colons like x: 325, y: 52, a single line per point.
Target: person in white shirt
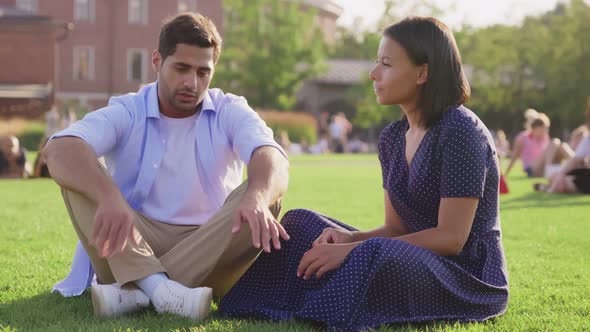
x: 167, y: 214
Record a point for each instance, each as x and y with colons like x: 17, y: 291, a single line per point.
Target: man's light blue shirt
x: 126, y: 133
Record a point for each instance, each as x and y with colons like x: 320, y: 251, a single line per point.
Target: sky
x: 478, y: 13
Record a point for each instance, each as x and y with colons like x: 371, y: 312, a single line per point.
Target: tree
x: 271, y: 48
x: 543, y: 63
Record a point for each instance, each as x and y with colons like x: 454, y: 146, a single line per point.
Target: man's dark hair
x: 189, y: 28
x: 427, y: 40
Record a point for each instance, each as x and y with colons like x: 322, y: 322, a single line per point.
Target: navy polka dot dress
x: 385, y: 280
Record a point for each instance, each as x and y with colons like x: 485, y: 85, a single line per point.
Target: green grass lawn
x: 546, y: 238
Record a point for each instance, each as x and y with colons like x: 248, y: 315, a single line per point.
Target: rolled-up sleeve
x: 102, y: 129
x: 247, y: 131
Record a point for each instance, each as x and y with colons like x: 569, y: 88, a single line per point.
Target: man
x: 168, y: 215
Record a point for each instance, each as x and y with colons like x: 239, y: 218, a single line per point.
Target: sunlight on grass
x: 545, y: 237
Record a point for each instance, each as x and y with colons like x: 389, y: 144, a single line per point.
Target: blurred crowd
x: 335, y: 136
x: 564, y: 165
x: 13, y: 156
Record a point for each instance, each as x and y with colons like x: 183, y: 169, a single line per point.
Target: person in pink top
x: 537, y: 151
x: 574, y: 175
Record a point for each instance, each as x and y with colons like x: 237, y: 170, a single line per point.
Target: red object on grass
x: 503, y: 185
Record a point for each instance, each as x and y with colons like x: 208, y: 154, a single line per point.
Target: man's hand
x: 333, y: 235
x: 113, y: 226
x: 323, y: 258
x: 263, y: 224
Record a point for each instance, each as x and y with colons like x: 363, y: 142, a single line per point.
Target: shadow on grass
x: 52, y: 312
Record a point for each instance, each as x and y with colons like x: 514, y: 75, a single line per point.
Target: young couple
x: 170, y: 223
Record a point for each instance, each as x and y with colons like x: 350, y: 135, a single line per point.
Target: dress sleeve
x: 384, y: 150
x: 465, y: 153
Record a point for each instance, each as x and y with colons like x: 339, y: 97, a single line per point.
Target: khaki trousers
x: 195, y: 256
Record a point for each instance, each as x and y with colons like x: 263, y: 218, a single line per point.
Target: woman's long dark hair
x: 427, y: 40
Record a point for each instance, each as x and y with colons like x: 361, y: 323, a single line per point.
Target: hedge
x: 298, y: 125
x: 32, y: 136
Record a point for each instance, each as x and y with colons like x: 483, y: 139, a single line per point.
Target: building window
x: 27, y: 5
x: 137, y: 63
x: 83, y: 63
x: 84, y: 10
x: 138, y: 12
x: 187, y: 6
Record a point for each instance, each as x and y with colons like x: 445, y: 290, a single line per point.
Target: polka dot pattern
x: 385, y: 280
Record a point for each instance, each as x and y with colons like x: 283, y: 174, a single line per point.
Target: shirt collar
x: 153, y: 107
x: 207, y: 103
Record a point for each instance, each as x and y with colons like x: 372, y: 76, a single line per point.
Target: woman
x: 540, y: 155
x: 439, y: 254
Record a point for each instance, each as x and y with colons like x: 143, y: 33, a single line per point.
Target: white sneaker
x: 172, y: 297
x: 112, y: 300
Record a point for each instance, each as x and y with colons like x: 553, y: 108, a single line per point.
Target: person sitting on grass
x: 574, y: 176
x: 540, y: 155
x: 577, y: 135
x: 13, y: 159
x: 439, y: 254
x: 167, y: 217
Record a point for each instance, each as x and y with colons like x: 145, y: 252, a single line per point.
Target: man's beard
x: 183, y: 107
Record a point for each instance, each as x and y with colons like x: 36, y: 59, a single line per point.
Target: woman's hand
x: 323, y: 258
x: 334, y: 236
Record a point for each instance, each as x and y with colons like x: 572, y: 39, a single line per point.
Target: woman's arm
x: 393, y: 226
x: 455, y: 218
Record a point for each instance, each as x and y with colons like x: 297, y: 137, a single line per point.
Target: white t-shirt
x: 583, y: 149
x: 178, y: 173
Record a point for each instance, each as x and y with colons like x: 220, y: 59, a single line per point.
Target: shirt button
x: 155, y: 165
x: 164, y: 141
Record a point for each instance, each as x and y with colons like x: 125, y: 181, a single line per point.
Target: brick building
x: 109, y: 50
x: 27, y: 48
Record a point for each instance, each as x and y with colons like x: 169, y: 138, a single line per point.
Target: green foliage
x: 271, y: 48
x: 32, y: 135
x: 542, y: 64
x: 298, y: 126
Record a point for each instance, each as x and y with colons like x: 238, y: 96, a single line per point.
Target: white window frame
x: 144, y: 64
x: 143, y: 17
x: 76, y: 62
x: 187, y: 5
x: 31, y: 6
x: 84, y: 15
